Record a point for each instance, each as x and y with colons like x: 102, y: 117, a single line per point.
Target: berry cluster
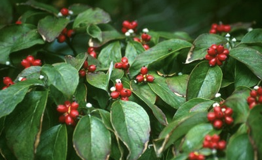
x: 8, y: 82
x: 30, y: 61
x: 86, y: 68
x: 123, y: 64
x: 216, y: 54
x: 143, y: 76
x: 69, y: 112
x: 65, y: 12
x: 255, y: 97
x: 214, y: 142
x: 65, y: 34
x: 18, y: 22
x: 218, y: 28
x: 196, y: 156
x: 220, y: 116
x: 91, y: 51
x: 144, y: 39
x: 120, y: 91
x: 126, y: 25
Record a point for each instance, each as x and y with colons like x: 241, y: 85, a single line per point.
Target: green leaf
x: 94, y: 31
x: 149, y: 97
x: 176, y: 129
x: 77, y: 61
x: 2, y: 124
x: 14, y: 94
x: 178, y: 84
x: 53, y: 144
x: 193, y: 105
x: 156, y: 53
x: 111, y: 52
x: 57, y: 24
x: 238, y: 102
x: 91, y: 139
x: 204, y: 81
x: 133, y: 49
x: 239, y: 148
x: 23, y: 126
x: 32, y: 72
x: 62, y: 76
x: 254, y: 124
x: 254, y: 36
x: 131, y: 124
x: 105, y: 116
x: 6, y: 12
x: 98, y: 79
x: 40, y: 6
x: 174, y: 35
x: 117, y: 74
x: 78, y: 8
x: 17, y: 37
x: 250, y: 57
x: 81, y: 94
x: 160, y: 87
x: 201, y: 44
x: 91, y: 16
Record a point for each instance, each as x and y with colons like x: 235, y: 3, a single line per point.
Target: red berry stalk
x: 91, y: 51
x: 196, y: 156
x: 214, y: 142
x: 120, y: 92
x: 69, y: 112
x: 216, y: 54
x: 255, y: 97
x: 143, y: 76
x: 65, y: 34
x: 221, y: 116
x: 30, y: 61
x: 86, y: 68
x: 8, y: 82
x: 219, y: 28
x: 123, y: 64
x: 126, y: 25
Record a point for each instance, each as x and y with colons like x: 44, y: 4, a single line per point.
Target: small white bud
x: 135, y: 81
x: 145, y: 30
x: 256, y: 87
x: 20, y: 78
x: 130, y: 31
x: 214, y: 151
x: 216, y: 104
x: 234, y: 40
x: 118, y: 80
x: 180, y: 73
x: 127, y: 34
x: 59, y: 14
x: 88, y: 105
x: 217, y: 95
x: 41, y: 77
x: 70, y: 12
x: 227, y: 35
x: 249, y: 29
x: 223, y: 109
x: 112, y: 89
x: 7, y: 63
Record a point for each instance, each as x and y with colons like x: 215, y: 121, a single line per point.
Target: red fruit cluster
x: 91, y: 51
x: 216, y: 54
x: 65, y: 34
x: 214, y: 142
x: 64, y: 11
x: 143, y: 76
x: 255, y: 97
x: 123, y: 64
x: 144, y: 39
x: 8, y: 82
x: 220, y: 116
x: 86, y: 68
x: 218, y: 28
x: 69, y: 112
x: 126, y: 25
x: 30, y: 61
x: 121, y: 92
x: 196, y: 156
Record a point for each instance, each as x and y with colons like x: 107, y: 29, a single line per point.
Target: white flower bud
x: 127, y: 34
x: 59, y: 14
x: 20, y: 78
x: 7, y: 63
x: 41, y: 77
x: 249, y: 29
x: 70, y: 12
x: 118, y: 80
x: 130, y: 31
x: 180, y: 73
x: 145, y: 30
x: 234, y: 40
x: 214, y: 151
x: 256, y: 87
x: 217, y: 95
x: 216, y: 104
x: 227, y: 35
x: 223, y: 109
x: 135, y: 81
x: 88, y: 105
x: 112, y: 89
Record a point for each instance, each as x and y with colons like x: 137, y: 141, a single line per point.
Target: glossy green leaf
x: 238, y: 102
x: 201, y: 44
x: 158, y: 52
x: 133, y: 48
x: 53, y: 144
x: 240, y: 148
x: 77, y: 61
x: 178, y: 84
x: 57, y: 25
x: 111, y: 52
x: 78, y: 8
x: 40, y: 6
x: 6, y: 12
x: 91, y: 16
x: 23, y: 125
x: 81, y: 94
x: 144, y: 92
x: 176, y: 129
x: 91, y: 139
x: 94, y: 31
x: 98, y: 80
x: 174, y: 35
x: 62, y: 76
x: 254, y: 36
x: 32, y: 72
x: 254, y: 124
x: 193, y: 105
x: 204, y: 81
x: 105, y: 117
x: 131, y: 124
x: 117, y: 74
x: 250, y: 57
x: 14, y: 94
x: 15, y: 38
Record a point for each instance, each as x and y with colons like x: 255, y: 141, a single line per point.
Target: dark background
x: 192, y: 16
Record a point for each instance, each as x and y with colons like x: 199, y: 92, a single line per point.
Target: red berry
x: 119, y: 86
x: 18, y: 22
x: 30, y: 59
x: 208, y: 138
x: 136, y: 39
x: 215, y: 138
x: 260, y: 99
x: 219, y: 115
x: 220, y: 49
x: 74, y: 105
x: 82, y: 73
x: 251, y: 100
x: 124, y: 60
x: 211, y: 116
x: 133, y: 25
x: 211, y: 51
x: 251, y: 105
x: 212, y: 31
x: 125, y: 65
x: 214, y: 46
x: 150, y: 78
x: 192, y: 156
x: 93, y: 54
x: 126, y: 24
x: 61, y: 38
x: 74, y: 113
x: 222, y: 57
x: 226, y: 28
x: 64, y: 11
x: 8, y: 81
x: 201, y: 157
x: 114, y: 94
x: 37, y: 62
x: 118, y: 65
x: 85, y: 65
x: 253, y: 93
x: 62, y: 108
x: 228, y: 111
x: 213, y: 62
x: 124, y: 30
x: 129, y: 92
x: 214, y: 26
x: 139, y: 78
x: 229, y: 120
x: 220, y: 28
x: 206, y: 144
x: 259, y: 91
x: 226, y: 52
x: 92, y: 68
x: 62, y: 119
x: 64, y: 31
x: 146, y: 47
x: 213, y: 145
x: 124, y: 98
x: 217, y: 109
x: 218, y: 124
x: 69, y: 120
x: 70, y: 32
x: 67, y: 103
x: 221, y: 145
x: 124, y: 92
x: 218, y: 61
x: 144, y: 36
x: 208, y: 57
x: 143, y: 70
x: 90, y: 49
x: 25, y: 63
